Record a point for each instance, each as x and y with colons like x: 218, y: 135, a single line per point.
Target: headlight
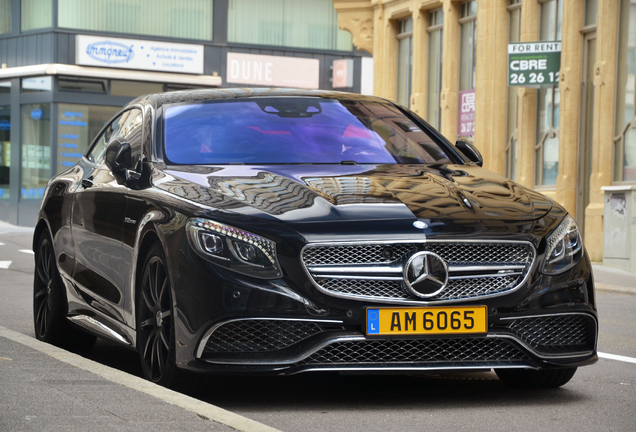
x: 564, y: 248
x: 234, y: 248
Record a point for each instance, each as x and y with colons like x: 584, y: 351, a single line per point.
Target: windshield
x: 292, y: 130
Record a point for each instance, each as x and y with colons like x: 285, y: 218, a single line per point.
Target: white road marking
x: 27, y: 251
x: 617, y: 357
x: 204, y: 409
x: 5, y: 264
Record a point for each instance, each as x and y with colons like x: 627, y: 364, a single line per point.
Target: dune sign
x: 272, y: 71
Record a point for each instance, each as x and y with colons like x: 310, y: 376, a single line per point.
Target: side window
x: 131, y: 124
x: 98, y: 152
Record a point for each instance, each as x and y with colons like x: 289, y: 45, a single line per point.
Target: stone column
x: 527, y: 102
x: 450, y: 70
x: 603, y: 130
x: 492, y: 83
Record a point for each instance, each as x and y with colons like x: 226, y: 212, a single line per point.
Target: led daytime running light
x: 265, y: 246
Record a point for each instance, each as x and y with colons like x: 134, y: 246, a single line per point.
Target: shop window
x: 435, y: 49
x: 514, y: 30
x: 37, y: 84
x: 190, y: 19
x: 82, y: 84
x: 5, y: 151
x: 77, y: 125
x: 5, y: 16
x: 5, y: 87
x: 36, y: 150
x: 548, y: 98
x: 625, y: 123
x: 405, y: 61
x: 467, y: 69
x: 290, y: 23
x: 134, y: 88
x: 36, y: 14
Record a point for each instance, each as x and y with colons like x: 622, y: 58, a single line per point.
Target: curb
x: 614, y: 289
x: 203, y: 409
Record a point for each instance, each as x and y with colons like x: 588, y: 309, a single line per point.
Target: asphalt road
x: 599, y: 397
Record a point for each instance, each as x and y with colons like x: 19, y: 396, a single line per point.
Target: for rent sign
x: 532, y: 64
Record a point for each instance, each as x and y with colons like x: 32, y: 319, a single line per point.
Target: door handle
x: 87, y: 183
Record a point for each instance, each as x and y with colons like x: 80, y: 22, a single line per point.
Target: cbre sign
x: 534, y: 64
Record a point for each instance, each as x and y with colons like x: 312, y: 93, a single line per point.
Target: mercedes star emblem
x: 425, y: 274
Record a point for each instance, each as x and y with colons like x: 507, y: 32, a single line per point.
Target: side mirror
x: 470, y: 151
x: 118, y: 156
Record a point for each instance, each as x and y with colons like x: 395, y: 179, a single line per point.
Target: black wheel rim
x: 42, y: 288
x: 156, y: 319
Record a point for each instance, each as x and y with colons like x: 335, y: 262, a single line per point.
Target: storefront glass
x: 514, y: 31
x: 36, y: 14
x: 625, y: 125
x: 405, y: 61
x: 291, y: 23
x: 5, y: 16
x: 190, y: 19
x: 36, y: 150
x: 435, y: 44
x: 5, y: 150
x: 547, y: 148
x: 76, y: 128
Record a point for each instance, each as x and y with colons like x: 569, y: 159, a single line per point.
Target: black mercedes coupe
x: 278, y: 231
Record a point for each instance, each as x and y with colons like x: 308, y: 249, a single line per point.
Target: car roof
x: 198, y: 95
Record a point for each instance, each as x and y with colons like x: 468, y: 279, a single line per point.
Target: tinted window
x: 295, y: 130
x: 128, y: 124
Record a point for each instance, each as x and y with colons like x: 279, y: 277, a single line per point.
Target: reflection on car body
x: 275, y: 231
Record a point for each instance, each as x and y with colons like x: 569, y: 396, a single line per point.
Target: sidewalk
x: 614, y: 280
x: 46, y: 388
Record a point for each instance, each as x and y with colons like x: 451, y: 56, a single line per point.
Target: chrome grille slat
x: 474, y: 268
x: 423, y: 350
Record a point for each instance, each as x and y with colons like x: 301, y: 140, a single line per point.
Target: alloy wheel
x: 42, y: 288
x: 156, y: 320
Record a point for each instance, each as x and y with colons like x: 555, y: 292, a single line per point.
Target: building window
x: 591, y: 12
x: 290, y: 23
x: 5, y: 16
x: 36, y: 14
x: 36, y: 150
x: 5, y: 150
x: 405, y: 61
x: 547, y: 147
x: 514, y: 30
x: 190, y: 19
x: 435, y: 44
x: 77, y: 125
x: 467, y: 64
x: 625, y: 123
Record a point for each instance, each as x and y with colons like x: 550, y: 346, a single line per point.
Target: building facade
x: 567, y: 140
x: 69, y: 65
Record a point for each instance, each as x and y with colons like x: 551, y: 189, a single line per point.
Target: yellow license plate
x: 427, y: 320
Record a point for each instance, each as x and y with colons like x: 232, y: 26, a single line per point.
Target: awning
x: 109, y: 73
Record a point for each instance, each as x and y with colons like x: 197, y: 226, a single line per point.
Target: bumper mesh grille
x: 259, y: 335
x: 490, y: 257
x: 426, y: 350
x: 558, y: 333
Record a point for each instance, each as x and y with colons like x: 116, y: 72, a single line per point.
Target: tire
x: 155, y: 324
x: 528, y: 378
x: 49, y: 302
x: 156, y: 329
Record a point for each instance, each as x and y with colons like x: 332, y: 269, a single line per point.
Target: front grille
x: 259, y: 335
x: 557, y: 333
x: 494, y: 276
x: 441, y: 351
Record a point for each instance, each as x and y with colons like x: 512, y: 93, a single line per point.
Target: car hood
x: 330, y: 193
